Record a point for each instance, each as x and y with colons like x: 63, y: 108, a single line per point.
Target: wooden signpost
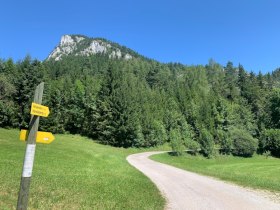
x: 32, y: 136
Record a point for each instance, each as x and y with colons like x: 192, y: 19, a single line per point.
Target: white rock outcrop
x: 70, y: 45
x: 116, y: 54
x: 94, y: 48
x: 66, y: 46
x: 127, y: 57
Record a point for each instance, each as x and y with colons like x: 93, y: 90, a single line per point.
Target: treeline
x: 143, y: 103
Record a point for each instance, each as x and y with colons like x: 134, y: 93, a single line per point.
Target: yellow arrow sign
x: 39, y: 110
x: 42, y: 137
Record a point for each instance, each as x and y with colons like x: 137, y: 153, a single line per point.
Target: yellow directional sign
x: 42, y: 137
x: 39, y: 110
x: 23, y: 135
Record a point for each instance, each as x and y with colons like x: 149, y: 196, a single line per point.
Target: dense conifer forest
x: 143, y: 103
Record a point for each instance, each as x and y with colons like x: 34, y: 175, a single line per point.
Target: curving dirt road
x: 187, y: 190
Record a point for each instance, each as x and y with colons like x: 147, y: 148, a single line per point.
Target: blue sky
x: 185, y: 31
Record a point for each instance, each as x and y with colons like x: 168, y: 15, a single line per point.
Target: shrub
x: 193, y: 146
x: 176, y: 142
x: 7, y: 113
x: 243, y: 143
x: 267, y: 154
x: 272, y: 141
x: 225, y: 142
x: 206, y: 142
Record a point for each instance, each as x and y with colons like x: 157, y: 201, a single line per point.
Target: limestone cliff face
x: 78, y: 45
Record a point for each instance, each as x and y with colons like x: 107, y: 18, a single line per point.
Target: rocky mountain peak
x: 79, y: 45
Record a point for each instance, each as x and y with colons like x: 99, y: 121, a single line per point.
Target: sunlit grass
x: 257, y: 172
x: 73, y: 172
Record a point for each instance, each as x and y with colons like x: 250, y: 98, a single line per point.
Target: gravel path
x: 187, y: 190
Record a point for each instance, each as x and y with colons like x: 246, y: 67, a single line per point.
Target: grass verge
x: 73, y: 172
x: 256, y: 172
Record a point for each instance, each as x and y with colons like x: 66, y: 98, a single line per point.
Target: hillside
x: 125, y: 100
x: 74, y: 173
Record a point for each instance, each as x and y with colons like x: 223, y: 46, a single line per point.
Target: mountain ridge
x: 80, y: 45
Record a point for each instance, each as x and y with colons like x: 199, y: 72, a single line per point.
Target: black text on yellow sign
x: 39, y: 110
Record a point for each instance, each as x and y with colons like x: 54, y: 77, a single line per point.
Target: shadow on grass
x: 190, y: 152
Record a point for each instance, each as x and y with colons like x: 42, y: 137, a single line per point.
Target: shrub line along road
x: 187, y: 190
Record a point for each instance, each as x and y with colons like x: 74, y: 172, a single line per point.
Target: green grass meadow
x: 73, y: 172
x: 256, y: 172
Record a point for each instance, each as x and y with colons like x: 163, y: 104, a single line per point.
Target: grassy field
x: 257, y: 172
x: 74, y: 173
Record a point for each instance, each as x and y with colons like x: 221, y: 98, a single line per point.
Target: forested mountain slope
x: 103, y: 90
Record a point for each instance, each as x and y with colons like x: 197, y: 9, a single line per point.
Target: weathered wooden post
x: 29, y: 152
